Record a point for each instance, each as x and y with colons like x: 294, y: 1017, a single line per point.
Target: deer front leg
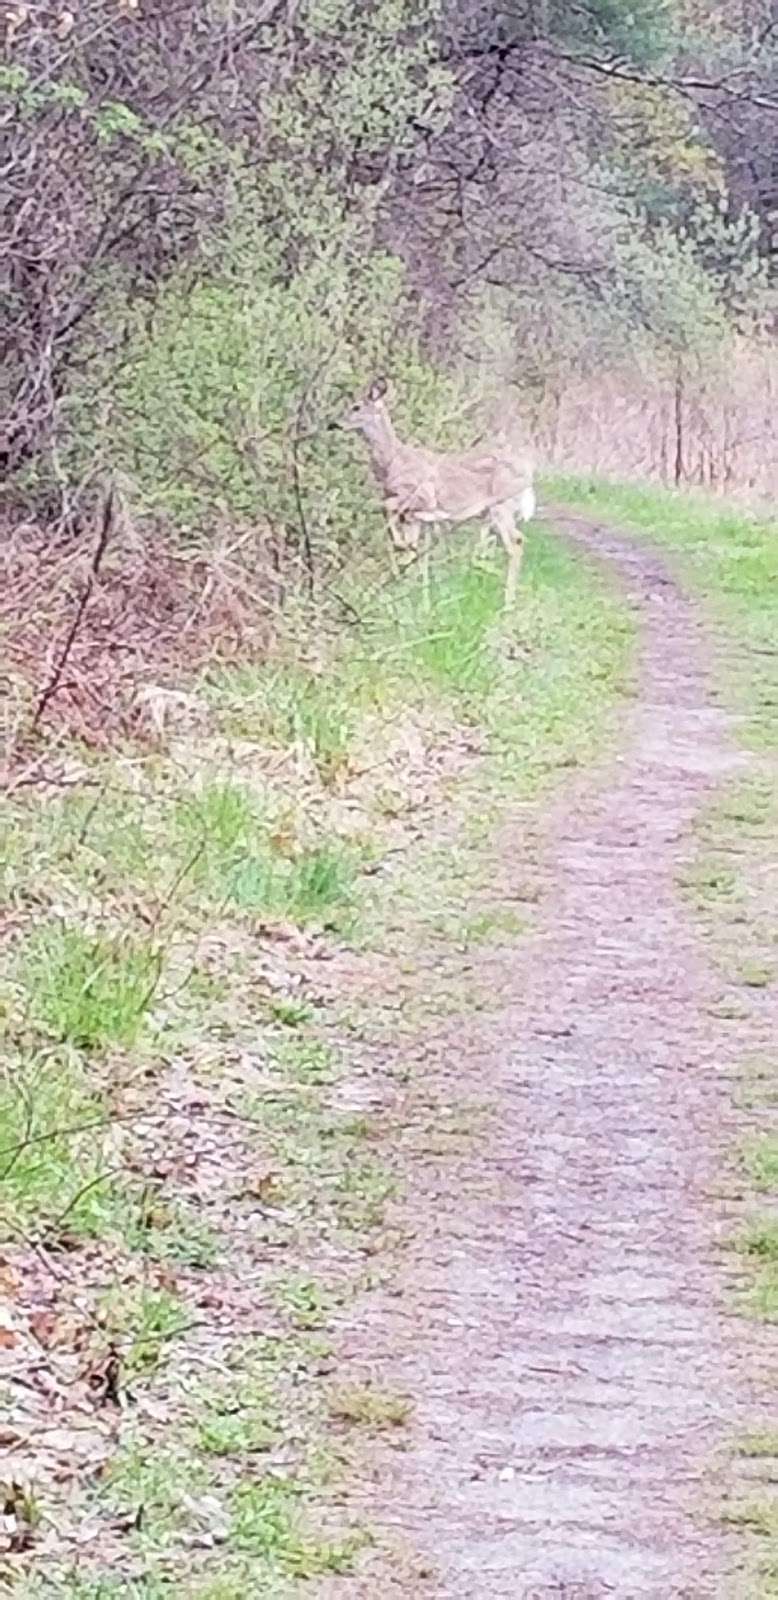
x: 405, y: 532
x: 513, y: 542
x: 394, y: 542
x: 404, y: 537
x: 515, y: 551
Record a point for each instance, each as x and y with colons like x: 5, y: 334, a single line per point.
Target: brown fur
x: 422, y: 487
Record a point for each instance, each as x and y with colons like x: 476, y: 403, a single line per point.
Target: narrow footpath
x: 564, y: 1319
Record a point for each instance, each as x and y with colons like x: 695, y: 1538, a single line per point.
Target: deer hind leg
x: 503, y: 521
x: 393, y: 562
x: 484, y: 540
x: 403, y: 538
x: 426, y: 536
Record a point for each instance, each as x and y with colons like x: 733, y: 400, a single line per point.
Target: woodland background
x: 221, y: 218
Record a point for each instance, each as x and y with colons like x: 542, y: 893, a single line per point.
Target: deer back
x: 452, y: 486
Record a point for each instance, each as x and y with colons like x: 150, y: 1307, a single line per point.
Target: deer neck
x: 381, y: 440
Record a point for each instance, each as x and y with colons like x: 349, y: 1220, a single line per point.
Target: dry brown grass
x: 623, y: 424
x: 98, y: 655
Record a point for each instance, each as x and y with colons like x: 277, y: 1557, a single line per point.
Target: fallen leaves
x: 58, y: 1329
x: 265, y: 1185
x: 225, y: 1127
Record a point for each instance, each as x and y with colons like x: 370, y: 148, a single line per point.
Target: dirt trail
x: 563, y: 1319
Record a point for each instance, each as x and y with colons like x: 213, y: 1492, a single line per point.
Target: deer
x: 422, y: 487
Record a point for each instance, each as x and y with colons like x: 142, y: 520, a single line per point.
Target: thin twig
x: 297, y: 439
x: 305, y: 532
x: 183, y: 872
x: 93, y: 1183
x: 226, y: 1115
x: 55, y: 679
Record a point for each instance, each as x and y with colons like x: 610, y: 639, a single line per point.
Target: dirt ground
x: 565, y: 1316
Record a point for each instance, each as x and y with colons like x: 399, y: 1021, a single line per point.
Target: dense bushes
x: 217, y: 220
x: 222, y: 403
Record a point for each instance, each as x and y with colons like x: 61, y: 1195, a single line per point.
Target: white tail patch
x: 528, y: 504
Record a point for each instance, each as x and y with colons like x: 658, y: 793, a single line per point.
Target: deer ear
x: 377, y: 389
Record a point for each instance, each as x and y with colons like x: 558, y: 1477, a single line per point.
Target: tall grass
x: 538, y: 681
x: 90, y: 988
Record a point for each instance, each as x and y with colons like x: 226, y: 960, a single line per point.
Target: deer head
x: 368, y: 414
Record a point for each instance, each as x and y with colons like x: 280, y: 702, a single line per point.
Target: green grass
x: 240, y: 856
x: 89, y: 989
x: 266, y: 1526
x: 759, y: 1516
x: 753, y: 974
x: 168, y: 1229
x: 221, y: 819
x: 64, y: 1172
x: 361, y: 1194
x: 102, y: 837
x: 372, y: 1409
x: 303, y: 1059
x: 238, y: 1432
x: 756, y: 1446
x: 316, y: 714
x: 761, y: 1162
x: 539, y: 682
x: 176, y: 1112
x: 748, y: 804
x: 56, y: 1156
x: 159, y: 1481
x: 145, y: 1322
x: 492, y: 925
x: 307, y: 1304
